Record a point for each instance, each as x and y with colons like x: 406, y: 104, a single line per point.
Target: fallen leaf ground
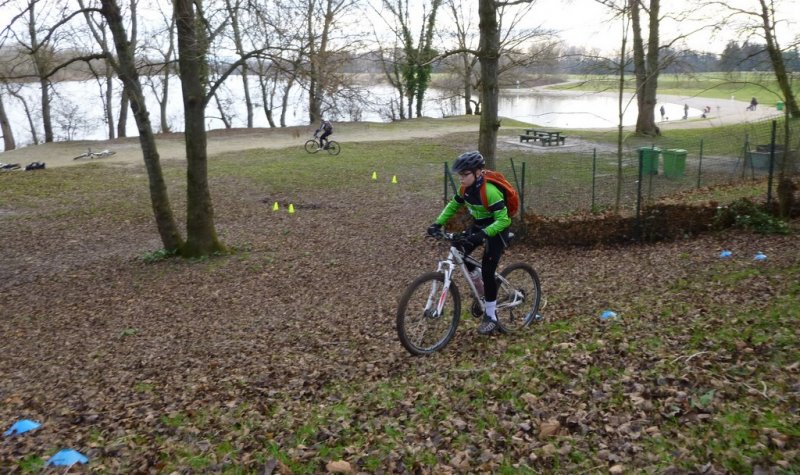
x: 282, y: 357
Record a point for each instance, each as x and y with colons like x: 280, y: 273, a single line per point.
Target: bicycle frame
x: 456, y: 258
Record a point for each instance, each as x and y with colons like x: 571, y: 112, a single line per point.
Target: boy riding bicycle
x: 490, y: 226
x: 327, y: 129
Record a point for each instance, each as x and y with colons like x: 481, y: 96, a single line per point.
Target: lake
x: 78, y: 111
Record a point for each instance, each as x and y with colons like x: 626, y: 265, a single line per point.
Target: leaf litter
x: 283, y: 358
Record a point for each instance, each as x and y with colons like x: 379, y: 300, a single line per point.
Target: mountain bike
x: 89, y: 154
x: 313, y: 146
x: 430, y: 309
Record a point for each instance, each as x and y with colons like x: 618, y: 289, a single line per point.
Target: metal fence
x: 560, y: 180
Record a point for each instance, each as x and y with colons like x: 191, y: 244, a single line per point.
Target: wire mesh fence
x: 559, y: 180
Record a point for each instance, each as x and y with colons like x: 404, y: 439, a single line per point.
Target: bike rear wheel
x: 518, y: 300
x: 334, y: 148
x: 421, y: 330
x: 312, y: 146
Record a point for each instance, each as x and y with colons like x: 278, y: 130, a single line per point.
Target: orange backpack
x: 510, y: 195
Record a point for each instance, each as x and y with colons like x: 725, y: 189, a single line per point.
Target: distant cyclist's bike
x: 430, y: 308
x: 313, y: 146
x: 90, y: 155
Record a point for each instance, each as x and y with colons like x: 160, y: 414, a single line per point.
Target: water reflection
x: 79, y: 114
x: 581, y: 110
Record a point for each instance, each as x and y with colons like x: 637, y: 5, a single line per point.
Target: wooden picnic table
x: 545, y: 137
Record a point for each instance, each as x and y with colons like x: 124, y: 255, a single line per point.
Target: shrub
x: 746, y: 214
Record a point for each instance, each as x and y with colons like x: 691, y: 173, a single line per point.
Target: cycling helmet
x: 468, y: 161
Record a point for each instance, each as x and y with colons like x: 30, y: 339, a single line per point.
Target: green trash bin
x: 779, y: 106
x: 674, y: 162
x: 650, y: 160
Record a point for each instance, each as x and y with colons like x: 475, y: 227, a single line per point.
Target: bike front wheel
x: 334, y: 148
x: 312, y: 146
x: 518, y: 298
x: 421, y: 328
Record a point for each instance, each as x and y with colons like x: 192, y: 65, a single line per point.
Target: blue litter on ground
x: 21, y: 427
x: 760, y: 256
x: 67, y: 457
x: 725, y: 253
x: 607, y: 315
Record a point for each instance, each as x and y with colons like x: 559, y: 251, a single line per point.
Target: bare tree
x: 279, y: 29
x: 127, y: 72
x: 192, y: 60
x: 521, y: 47
x: 323, y: 56
x: 468, y: 62
x: 41, y: 51
x: 415, y: 64
x: 646, y: 65
x: 5, y: 127
x: 761, y: 21
x: 124, y: 99
x: 162, y: 42
x: 235, y: 14
x: 14, y: 91
x: 105, y: 78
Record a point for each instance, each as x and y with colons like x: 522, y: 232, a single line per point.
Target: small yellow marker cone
x: 275, y: 207
x: 394, y: 179
x: 374, y: 175
x: 291, y: 208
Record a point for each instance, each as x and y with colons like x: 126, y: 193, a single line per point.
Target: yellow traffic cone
x: 291, y: 208
x: 394, y: 179
x: 374, y: 175
x: 275, y: 207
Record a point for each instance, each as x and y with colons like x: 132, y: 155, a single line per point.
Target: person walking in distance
x: 662, y: 113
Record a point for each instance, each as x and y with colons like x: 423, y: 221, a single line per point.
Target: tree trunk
x: 162, y: 104
x: 28, y: 116
x: 646, y: 67
x: 489, y: 59
x: 248, y: 102
x: 5, y: 128
x: 467, y: 84
x: 778, y: 64
x: 621, y: 110
x: 285, y: 100
x: 109, y: 100
x: 37, y: 51
x: 314, y: 105
x: 233, y: 15
x: 165, y: 222
x: 201, y: 236
x: 124, y: 104
x: 46, y: 115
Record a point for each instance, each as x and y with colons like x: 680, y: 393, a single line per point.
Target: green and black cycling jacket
x: 493, y: 220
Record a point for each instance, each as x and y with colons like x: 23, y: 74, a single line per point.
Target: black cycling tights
x: 492, y: 252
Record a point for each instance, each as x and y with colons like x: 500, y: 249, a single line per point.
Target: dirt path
x: 171, y: 146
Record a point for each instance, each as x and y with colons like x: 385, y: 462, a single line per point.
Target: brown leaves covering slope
x: 144, y: 366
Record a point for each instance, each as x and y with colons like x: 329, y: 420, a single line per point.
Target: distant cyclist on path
x: 327, y: 129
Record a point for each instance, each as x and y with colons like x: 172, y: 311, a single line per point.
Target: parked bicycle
x: 90, y: 155
x: 430, y: 309
x: 314, y: 146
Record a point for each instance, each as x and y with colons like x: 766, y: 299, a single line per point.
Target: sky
x: 587, y: 23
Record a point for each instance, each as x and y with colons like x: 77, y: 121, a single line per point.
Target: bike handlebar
x: 456, y: 237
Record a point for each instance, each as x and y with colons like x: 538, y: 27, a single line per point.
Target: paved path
x: 171, y: 146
